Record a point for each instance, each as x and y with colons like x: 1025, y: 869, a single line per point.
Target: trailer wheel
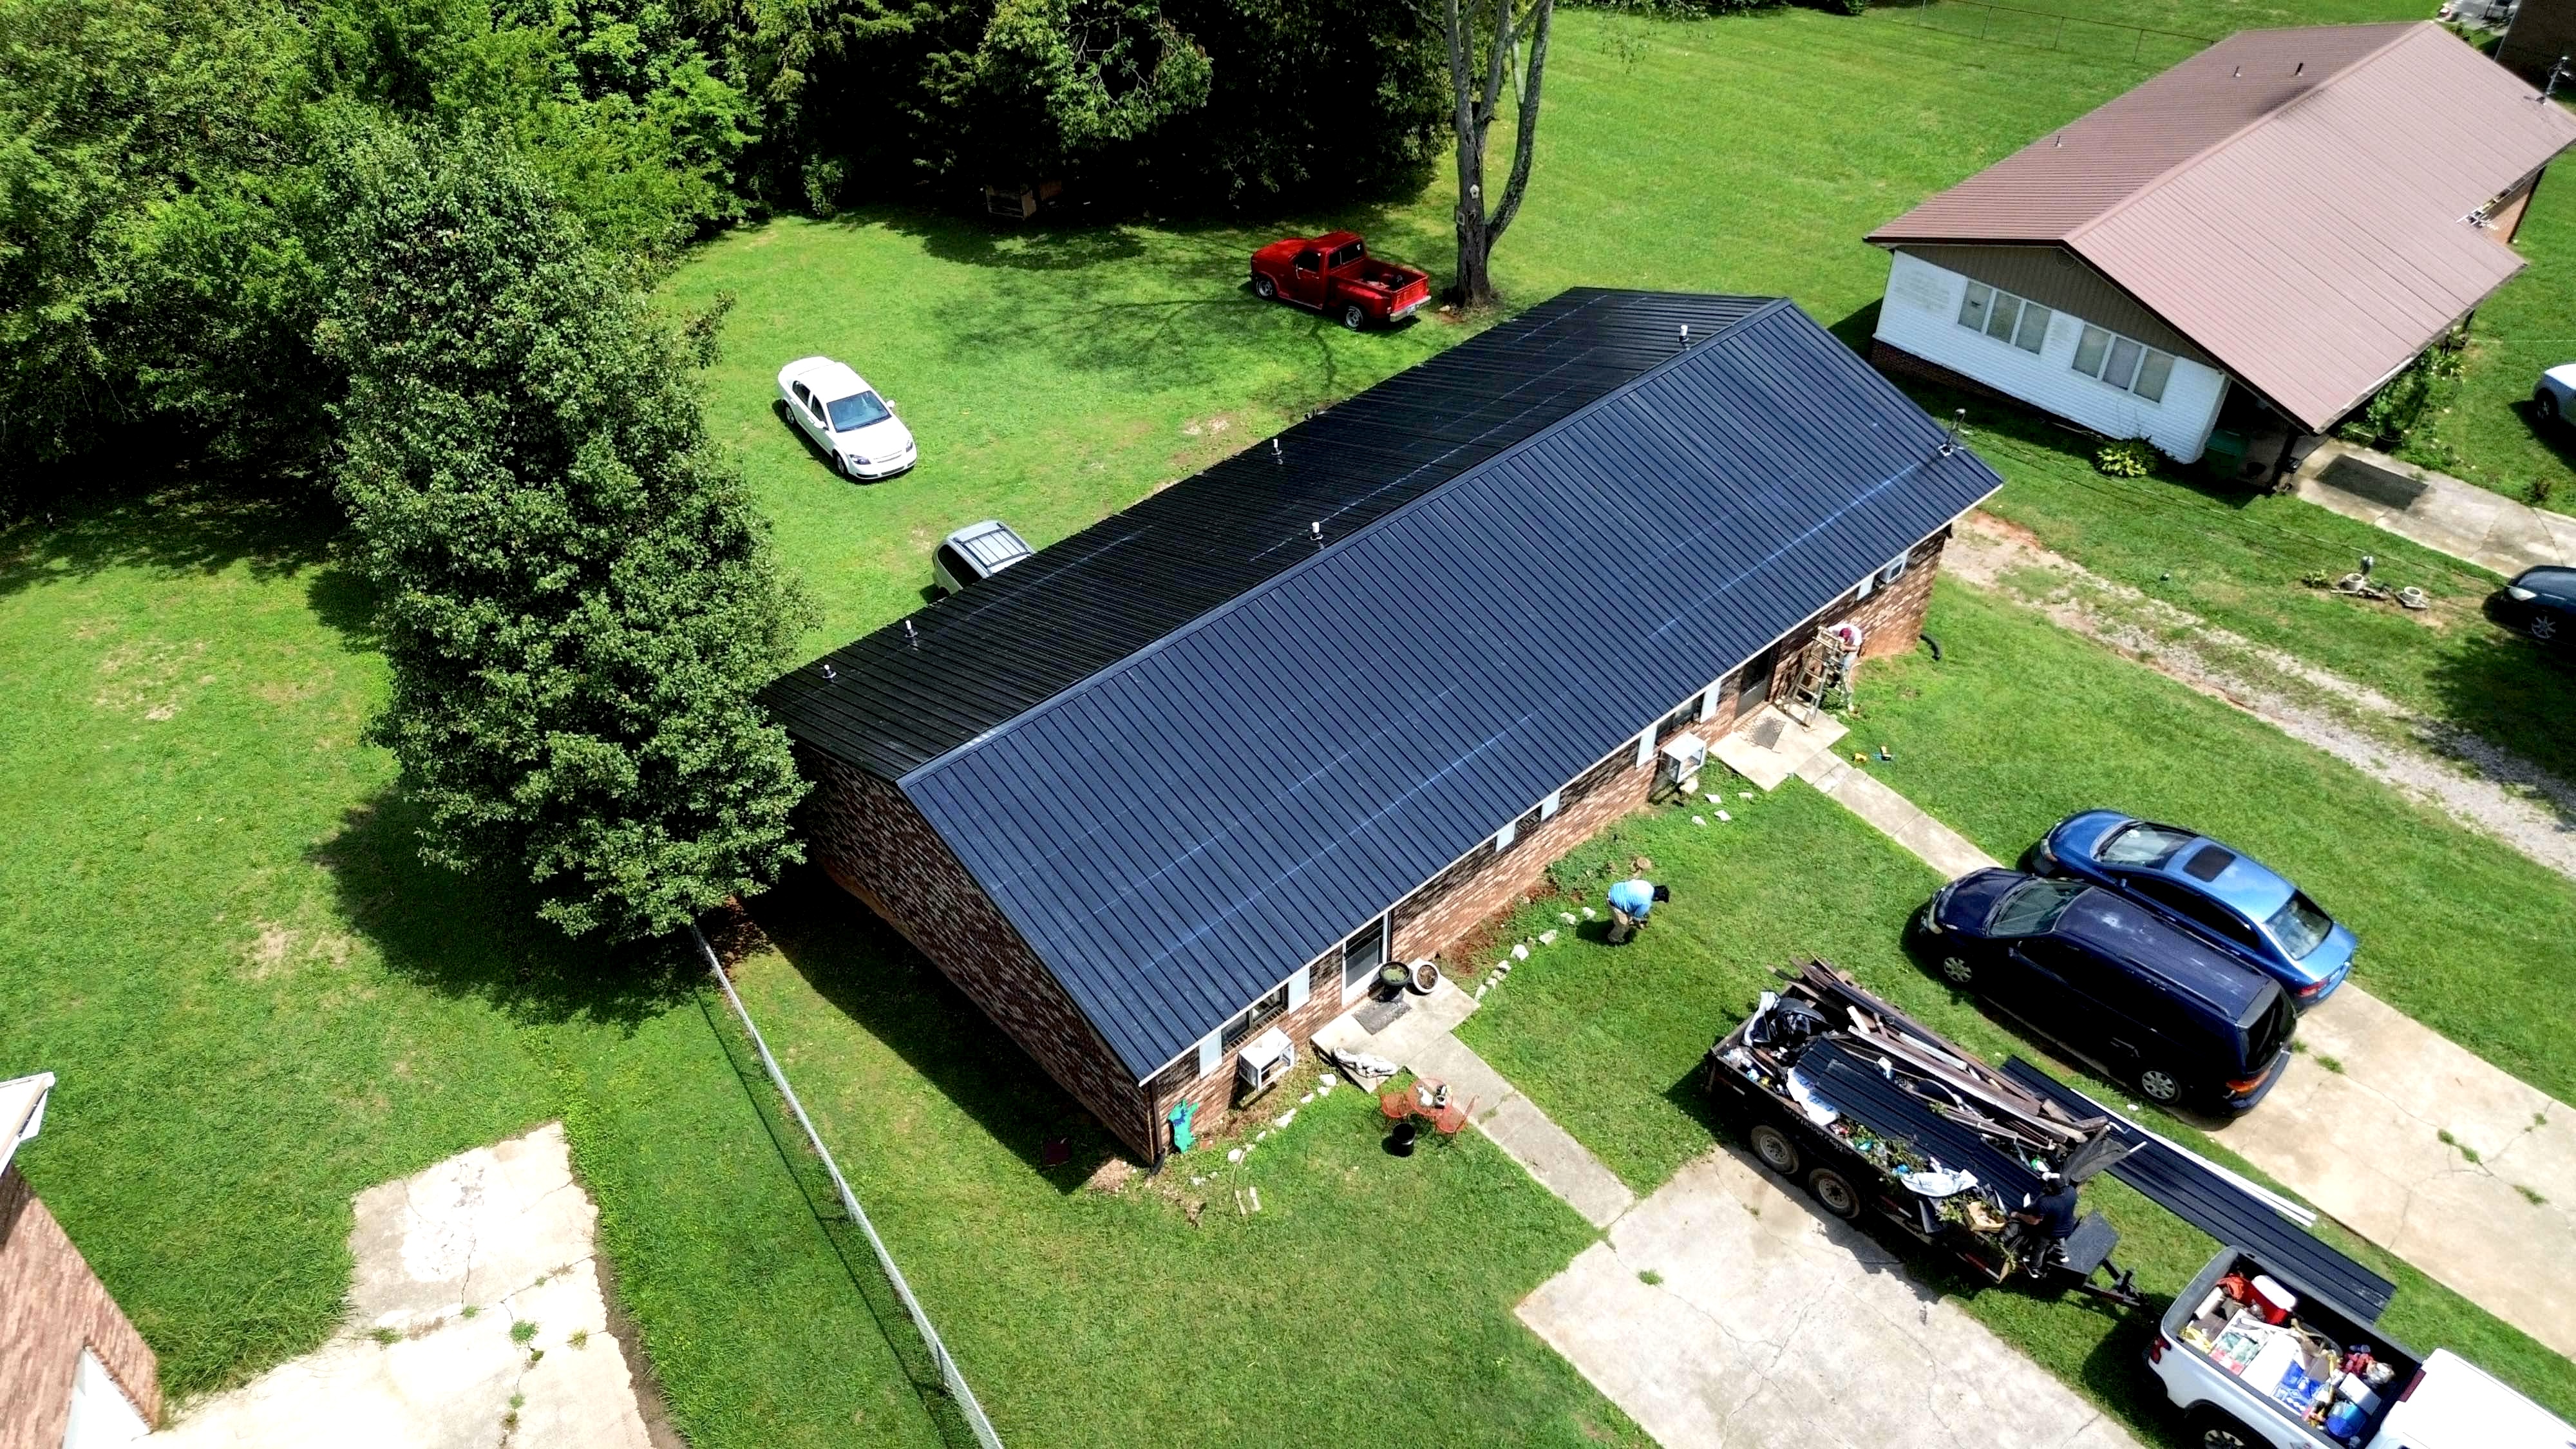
x: 1775, y: 1149
x: 2212, y: 1429
x: 1835, y: 1192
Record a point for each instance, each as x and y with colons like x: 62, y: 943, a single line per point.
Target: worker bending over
x: 1630, y: 902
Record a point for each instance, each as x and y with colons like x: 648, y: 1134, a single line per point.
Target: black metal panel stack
x: 2185, y: 1187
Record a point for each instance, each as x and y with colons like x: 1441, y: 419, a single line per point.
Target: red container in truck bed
x: 1335, y: 275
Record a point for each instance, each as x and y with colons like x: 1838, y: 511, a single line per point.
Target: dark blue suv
x: 2119, y: 986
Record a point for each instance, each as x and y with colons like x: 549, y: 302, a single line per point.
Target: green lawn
x: 1609, y: 1040
x: 2488, y: 436
x: 2023, y: 724
x: 1368, y: 1301
x: 2237, y: 559
x: 258, y: 1002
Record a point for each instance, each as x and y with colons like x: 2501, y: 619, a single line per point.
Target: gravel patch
x: 2488, y: 789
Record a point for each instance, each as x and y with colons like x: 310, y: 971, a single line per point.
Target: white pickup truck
x: 2245, y: 1382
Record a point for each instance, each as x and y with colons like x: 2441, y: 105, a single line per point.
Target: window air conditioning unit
x: 1684, y: 754
x: 1266, y: 1058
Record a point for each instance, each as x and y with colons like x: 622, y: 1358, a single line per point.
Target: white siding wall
x: 1921, y: 316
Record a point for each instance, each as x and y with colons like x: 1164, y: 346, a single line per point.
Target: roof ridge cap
x: 1092, y: 680
x: 2401, y: 31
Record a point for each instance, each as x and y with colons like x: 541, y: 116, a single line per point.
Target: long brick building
x: 1202, y: 768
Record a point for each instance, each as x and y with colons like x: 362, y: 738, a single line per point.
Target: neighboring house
x: 73, y: 1372
x: 1203, y: 768
x: 2255, y: 240
x: 2543, y: 33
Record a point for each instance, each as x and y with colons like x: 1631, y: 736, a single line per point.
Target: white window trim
x: 1894, y: 568
x: 2022, y: 304
x: 1646, y: 747
x: 1554, y: 802
x: 1504, y: 837
x: 2145, y: 352
x: 1211, y: 1050
x: 1298, y: 989
x: 1708, y: 701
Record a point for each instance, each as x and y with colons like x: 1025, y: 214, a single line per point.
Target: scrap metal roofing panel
x: 2186, y: 1187
x: 2294, y: 201
x: 1182, y: 832
x: 899, y: 698
x: 1844, y: 1072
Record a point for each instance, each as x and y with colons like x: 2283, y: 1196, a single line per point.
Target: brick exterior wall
x: 51, y: 1307
x: 869, y: 837
x: 878, y: 847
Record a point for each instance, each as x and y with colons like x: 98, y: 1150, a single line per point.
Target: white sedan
x: 855, y: 428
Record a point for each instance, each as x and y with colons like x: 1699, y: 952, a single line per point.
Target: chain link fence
x: 951, y: 1377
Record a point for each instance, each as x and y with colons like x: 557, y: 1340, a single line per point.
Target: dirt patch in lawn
x: 2475, y: 782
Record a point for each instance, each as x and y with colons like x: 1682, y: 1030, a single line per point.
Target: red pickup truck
x: 1334, y: 274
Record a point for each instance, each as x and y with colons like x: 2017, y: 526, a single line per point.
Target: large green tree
x: 576, y: 597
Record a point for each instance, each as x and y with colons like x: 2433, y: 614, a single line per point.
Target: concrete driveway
x: 1774, y: 1325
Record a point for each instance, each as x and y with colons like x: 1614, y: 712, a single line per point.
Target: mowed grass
x: 2023, y: 724
x: 258, y: 1002
x: 1609, y: 1041
x: 1367, y: 1300
x: 2239, y: 560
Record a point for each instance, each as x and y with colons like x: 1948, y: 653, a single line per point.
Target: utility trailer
x: 1879, y: 1114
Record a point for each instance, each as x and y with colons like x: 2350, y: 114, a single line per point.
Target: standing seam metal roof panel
x: 2295, y: 202
x: 1179, y: 832
x: 896, y: 698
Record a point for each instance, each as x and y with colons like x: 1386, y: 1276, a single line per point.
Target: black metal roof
x: 1183, y: 830
x: 896, y: 700
x: 1845, y: 1075
x: 2185, y: 1187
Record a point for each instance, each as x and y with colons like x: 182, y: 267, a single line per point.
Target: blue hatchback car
x: 2230, y: 898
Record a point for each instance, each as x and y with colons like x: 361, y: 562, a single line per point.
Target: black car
x: 2541, y: 602
x: 2115, y: 984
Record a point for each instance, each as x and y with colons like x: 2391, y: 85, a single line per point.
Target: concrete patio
x: 449, y: 1262
x: 2433, y: 509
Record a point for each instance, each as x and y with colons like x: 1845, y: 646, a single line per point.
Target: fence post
x: 950, y: 1376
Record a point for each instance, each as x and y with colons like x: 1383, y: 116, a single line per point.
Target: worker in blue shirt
x: 1630, y: 902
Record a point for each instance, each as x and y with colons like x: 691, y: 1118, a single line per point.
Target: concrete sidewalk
x: 2436, y: 510
x: 2362, y: 1139
x: 1421, y: 1041
x: 1772, y: 1326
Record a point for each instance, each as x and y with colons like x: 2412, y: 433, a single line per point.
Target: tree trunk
x: 1475, y: 106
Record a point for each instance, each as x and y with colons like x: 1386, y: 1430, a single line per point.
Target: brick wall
x: 1485, y: 881
x: 879, y: 848
x: 869, y: 837
x: 51, y: 1307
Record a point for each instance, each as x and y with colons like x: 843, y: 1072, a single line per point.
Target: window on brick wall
x: 1894, y: 568
x: 1254, y: 1017
x: 1363, y: 953
x: 1554, y: 802
x: 1678, y: 721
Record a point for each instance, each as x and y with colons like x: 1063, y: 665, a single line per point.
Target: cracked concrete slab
x: 2362, y: 1140
x: 1771, y: 1324
x: 449, y: 1263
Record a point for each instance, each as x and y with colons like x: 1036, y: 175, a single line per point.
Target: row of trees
x: 396, y: 249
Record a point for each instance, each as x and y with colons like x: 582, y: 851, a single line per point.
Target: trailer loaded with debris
x: 1875, y: 1112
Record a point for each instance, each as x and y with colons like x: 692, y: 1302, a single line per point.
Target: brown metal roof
x: 2294, y: 201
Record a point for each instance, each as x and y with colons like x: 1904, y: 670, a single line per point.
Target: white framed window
x: 1504, y: 837
x: 1709, y: 700
x: 1646, y: 748
x: 1211, y: 1049
x: 1868, y: 586
x: 1554, y: 802
x: 2124, y: 363
x: 2005, y: 317
x: 1362, y: 955
x: 1894, y: 568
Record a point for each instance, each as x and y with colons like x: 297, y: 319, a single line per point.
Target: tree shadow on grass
x: 874, y: 977
x: 184, y: 529
x: 2514, y: 693
x: 467, y: 938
